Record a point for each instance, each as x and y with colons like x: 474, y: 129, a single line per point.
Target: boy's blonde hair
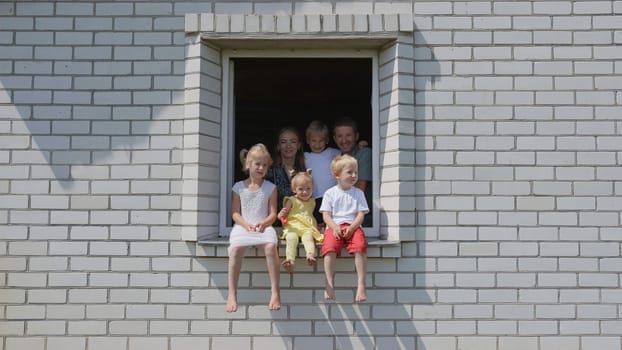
x: 317, y: 127
x: 297, y: 177
x: 340, y: 162
x: 255, y: 152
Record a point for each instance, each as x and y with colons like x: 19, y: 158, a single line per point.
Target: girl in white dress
x: 253, y: 208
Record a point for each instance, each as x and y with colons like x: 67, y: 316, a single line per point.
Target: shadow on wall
x: 67, y: 136
x: 425, y: 308
x: 307, y: 320
x: 71, y: 135
x: 396, y: 315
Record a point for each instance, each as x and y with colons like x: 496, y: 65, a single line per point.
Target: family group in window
x: 318, y: 196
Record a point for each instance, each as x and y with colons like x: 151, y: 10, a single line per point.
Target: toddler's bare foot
x: 329, y: 293
x: 311, y: 259
x: 288, y: 265
x: 361, y: 294
x: 275, y: 302
x: 232, y: 304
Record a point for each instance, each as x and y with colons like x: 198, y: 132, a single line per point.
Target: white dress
x: 254, y: 208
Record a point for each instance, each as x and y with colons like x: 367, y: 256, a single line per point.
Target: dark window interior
x: 274, y: 92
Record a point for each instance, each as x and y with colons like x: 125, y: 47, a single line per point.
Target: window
x: 216, y: 44
x: 276, y: 88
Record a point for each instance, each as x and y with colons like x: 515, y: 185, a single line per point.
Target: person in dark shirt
x: 288, y: 156
x: 346, y: 137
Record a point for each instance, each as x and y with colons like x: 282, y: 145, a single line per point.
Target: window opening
x: 214, y: 42
x: 268, y: 93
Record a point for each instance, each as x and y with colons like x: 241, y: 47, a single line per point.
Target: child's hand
x: 337, y: 232
x: 347, y: 232
x: 255, y: 228
x: 283, y: 215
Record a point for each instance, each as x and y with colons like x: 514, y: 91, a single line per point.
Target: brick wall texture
x: 517, y: 186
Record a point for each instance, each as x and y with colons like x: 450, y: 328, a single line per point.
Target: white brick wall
x: 516, y: 181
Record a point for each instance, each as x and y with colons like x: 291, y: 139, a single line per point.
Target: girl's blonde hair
x: 297, y: 177
x: 317, y: 127
x: 255, y: 152
x: 340, y: 162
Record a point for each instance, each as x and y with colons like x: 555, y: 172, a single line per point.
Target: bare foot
x: 329, y: 293
x: 288, y: 265
x: 275, y: 302
x: 232, y: 304
x: 361, y: 294
x: 311, y: 260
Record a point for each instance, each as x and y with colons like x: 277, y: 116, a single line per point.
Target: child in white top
x: 318, y: 137
x: 344, y: 207
x: 253, y: 207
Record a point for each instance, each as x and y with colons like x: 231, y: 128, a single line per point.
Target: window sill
x: 376, y: 248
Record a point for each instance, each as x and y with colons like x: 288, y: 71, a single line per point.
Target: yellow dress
x: 300, y: 219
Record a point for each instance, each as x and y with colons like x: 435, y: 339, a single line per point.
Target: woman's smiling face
x: 289, y: 144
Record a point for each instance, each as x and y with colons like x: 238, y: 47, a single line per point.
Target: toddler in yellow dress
x: 298, y: 221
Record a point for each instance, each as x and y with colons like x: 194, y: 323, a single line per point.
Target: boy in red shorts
x: 343, y: 209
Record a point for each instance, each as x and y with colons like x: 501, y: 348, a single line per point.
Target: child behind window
x: 318, y: 137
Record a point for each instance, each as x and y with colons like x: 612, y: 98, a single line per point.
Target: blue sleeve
x: 363, y: 156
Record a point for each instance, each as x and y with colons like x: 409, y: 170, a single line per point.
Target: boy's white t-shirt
x: 344, y: 205
x: 319, y: 163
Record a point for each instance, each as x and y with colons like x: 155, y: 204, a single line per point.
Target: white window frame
x: 390, y: 36
x: 228, y: 153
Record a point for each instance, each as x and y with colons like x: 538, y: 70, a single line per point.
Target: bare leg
x: 272, y: 263
x: 330, y: 260
x: 360, y: 262
x: 235, y: 265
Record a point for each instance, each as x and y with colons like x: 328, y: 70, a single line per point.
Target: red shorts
x: 355, y: 244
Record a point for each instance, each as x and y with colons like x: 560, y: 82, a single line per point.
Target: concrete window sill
x: 376, y: 248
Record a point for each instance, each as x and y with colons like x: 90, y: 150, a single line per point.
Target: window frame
x: 208, y: 34
x: 227, y: 128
